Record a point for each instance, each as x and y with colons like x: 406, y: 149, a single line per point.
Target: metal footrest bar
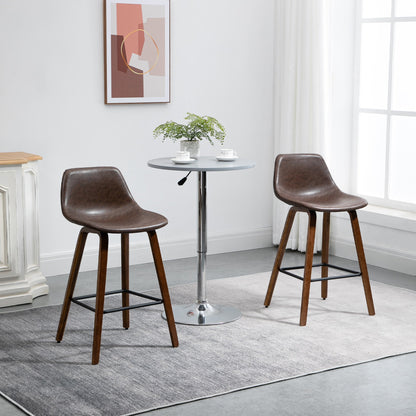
x: 156, y: 301
x: 350, y: 273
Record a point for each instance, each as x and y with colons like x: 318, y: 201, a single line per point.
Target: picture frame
x: 137, y: 51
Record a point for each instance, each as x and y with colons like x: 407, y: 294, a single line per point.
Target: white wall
x: 52, y: 104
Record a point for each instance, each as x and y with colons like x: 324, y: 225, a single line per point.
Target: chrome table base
x: 203, y: 313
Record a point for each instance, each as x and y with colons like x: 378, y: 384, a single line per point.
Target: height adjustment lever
x: 183, y: 180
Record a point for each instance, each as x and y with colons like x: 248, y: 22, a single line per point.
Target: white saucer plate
x: 182, y: 161
x: 227, y: 159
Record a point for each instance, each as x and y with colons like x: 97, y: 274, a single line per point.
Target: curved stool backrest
x: 298, y: 175
x: 93, y: 191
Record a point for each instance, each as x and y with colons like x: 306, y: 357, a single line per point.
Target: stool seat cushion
x: 325, y: 201
x: 130, y: 219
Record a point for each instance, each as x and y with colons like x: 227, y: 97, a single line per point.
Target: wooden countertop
x: 17, y: 158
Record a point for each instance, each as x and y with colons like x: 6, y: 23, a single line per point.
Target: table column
x: 21, y: 279
x: 202, y: 312
x: 202, y: 236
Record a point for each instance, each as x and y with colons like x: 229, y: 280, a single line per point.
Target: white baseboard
x: 376, y: 256
x: 53, y: 264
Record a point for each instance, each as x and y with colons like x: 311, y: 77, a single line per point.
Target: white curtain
x: 301, y: 95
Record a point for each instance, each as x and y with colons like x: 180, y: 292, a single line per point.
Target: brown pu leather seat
x: 304, y: 182
x: 99, y: 200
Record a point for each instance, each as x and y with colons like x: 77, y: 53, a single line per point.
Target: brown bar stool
x: 304, y: 182
x: 99, y: 200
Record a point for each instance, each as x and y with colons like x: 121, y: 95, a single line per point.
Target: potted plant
x: 190, y: 134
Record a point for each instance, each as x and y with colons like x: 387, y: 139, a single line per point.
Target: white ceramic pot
x: 191, y: 146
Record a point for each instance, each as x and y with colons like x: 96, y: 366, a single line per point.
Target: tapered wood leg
x: 76, y: 261
x: 308, y: 268
x: 99, y: 300
x: 160, y: 271
x: 325, y: 253
x: 125, y: 278
x: 279, y: 256
x: 361, y: 260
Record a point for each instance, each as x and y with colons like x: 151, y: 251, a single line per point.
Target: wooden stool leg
x: 279, y: 256
x: 76, y: 261
x: 308, y: 268
x: 125, y: 278
x: 361, y: 260
x: 325, y: 254
x: 99, y: 300
x: 160, y: 271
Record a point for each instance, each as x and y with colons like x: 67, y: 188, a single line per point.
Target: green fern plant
x: 197, y: 128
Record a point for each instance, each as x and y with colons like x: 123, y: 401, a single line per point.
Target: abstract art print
x: 137, y: 51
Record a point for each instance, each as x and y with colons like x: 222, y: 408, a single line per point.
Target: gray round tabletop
x: 204, y: 163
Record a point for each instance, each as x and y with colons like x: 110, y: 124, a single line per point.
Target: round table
x: 201, y: 312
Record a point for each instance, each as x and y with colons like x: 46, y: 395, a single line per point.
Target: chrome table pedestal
x: 201, y: 312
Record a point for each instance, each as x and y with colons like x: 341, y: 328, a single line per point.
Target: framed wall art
x: 137, y: 51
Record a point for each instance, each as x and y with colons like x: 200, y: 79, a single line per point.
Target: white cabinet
x: 20, y: 277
